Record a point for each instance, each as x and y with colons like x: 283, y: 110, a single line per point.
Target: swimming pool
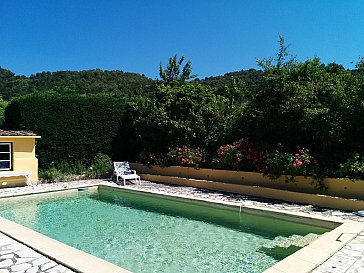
x: 152, y: 234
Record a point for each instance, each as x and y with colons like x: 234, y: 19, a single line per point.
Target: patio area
x: 15, y: 257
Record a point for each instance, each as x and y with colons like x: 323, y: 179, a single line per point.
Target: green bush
x: 284, y: 163
x: 187, y: 156
x: 353, y: 167
x: 52, y: 175
x: 101, y: 166
x: 228, y: 157
x: 152, y: 159
x: 73, y: 127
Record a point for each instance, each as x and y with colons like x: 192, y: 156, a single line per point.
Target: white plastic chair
x: 123, y: 170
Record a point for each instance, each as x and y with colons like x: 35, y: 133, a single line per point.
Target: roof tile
x: 15, y: 133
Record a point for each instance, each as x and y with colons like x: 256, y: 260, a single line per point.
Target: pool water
x: 151, y: 234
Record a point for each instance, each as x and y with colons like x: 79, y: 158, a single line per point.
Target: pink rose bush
x: 241, y: 155
x: 187, y: 156
x: 301, y: 162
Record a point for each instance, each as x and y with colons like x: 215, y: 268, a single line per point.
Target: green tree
x: 3, y: 105
x: 173, y: 73
x: 307, y: 103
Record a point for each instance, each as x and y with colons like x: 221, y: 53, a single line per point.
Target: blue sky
x: 135, y: 35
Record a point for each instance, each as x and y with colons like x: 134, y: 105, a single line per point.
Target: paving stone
x: 48, y: 265
x: 23, y: 260
x: 33, y: 269
x: 20, y: 267
x: 6, y: 263
x: 28, y: 253
x: 58, y: 269
x: 8, y: 256
x: 41, y: 260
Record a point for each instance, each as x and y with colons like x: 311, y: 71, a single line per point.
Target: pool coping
x: 304, y: 260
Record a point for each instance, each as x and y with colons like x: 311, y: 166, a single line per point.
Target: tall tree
x: 173, y: 74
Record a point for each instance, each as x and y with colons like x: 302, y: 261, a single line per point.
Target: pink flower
x: 248, y: 157
x: 299, y: 163
x: 237, y: 159
x: 294, y: 165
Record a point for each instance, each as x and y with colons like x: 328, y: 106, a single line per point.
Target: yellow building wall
x: 23, y: 157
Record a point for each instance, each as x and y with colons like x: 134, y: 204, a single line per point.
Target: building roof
x: 15, y: 133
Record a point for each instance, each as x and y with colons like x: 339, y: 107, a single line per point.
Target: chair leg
x: 124, y: 183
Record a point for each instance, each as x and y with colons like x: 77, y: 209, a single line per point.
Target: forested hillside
x: 83, y: 82
x: 101, y: 81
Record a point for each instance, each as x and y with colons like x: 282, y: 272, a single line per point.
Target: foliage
x: 319, y: 106
x: 284, y: 163
x: 82, y: 82
x: 228, y: 157
x: 101, y: 166
x: 3, y: 105
x: 173, y: 74
x: 187, y: 156
x: 152, y: 159
x: 254, y: 155
x: 181, y: 114
x: 241, y: 155
x: 148, y: 128
x: 306, y: 102
x: 353, y: 167
x: 73, y: 127
x: 50, y: 175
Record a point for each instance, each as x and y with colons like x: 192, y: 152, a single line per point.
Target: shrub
x: 101, y: 166
x: 187, y: 156
x: 284, y: 163
x: 150, y: 159
x: 73, y: 127
x: 254, y: 155
x: 50, y: 175
x: 228, y: 157
x: 241, y: 155
x: 353, y: 167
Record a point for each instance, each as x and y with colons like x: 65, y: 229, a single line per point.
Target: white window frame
x: 9, y: 144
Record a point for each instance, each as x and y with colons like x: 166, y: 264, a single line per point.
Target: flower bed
x: 334, y: 187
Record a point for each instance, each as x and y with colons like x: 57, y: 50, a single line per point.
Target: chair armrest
x: 134, y: 172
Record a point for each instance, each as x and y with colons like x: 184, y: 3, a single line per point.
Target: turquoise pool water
x: 151, y: 234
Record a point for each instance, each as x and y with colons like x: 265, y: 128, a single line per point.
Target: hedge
x: 73, y: 127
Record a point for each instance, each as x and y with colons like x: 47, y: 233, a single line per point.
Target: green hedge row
x: 73, y: 127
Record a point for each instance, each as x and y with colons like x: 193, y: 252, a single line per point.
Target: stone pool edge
x: 304, y: 260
